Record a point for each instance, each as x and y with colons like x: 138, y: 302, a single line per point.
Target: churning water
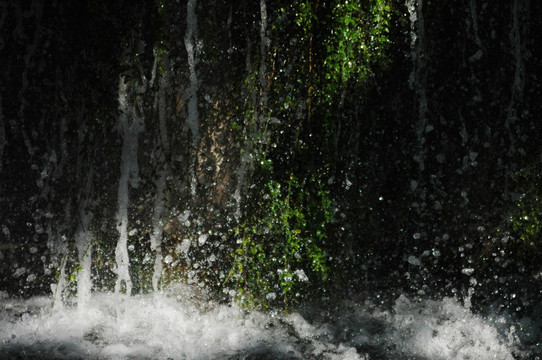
x: 183, y: 324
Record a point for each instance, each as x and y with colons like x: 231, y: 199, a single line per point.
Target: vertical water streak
x: 244, y: 156
x: 83, y: 242
x: 413, y: 17
x: 3, y: 16
x: 417, y: 79
x: 58, y: 288
x: 56, y: 241
x: 259, y: 101
x: 519, y: 74
x: 156, y: 236
x: 31, y: 49
x: 131, y: 125
x: 479, y: 52
x: 58, y: 247
x: 264, y: 45
x: 36, y: 9
x: 2, y: 135
x: 474, y: 19
x: 190, y: 43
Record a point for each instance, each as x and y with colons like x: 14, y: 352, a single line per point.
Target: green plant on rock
x: 357, y: 44
x: 280, y: 247
x: 527, y: 219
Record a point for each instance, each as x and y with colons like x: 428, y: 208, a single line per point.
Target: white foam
x: 184, y: 324
x: 446, y: 330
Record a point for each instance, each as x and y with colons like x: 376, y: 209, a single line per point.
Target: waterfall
x: 264, y: 45
x: 156, y: 236
x: 83, y: 242
x: 259, y: 103
x: 131, y: 124
x: 58, y: 288
x: 2, y: 125
x: 190, y: 42
x: 474, y: 19
x: 518, y: 83
x: 479, y: 52
x: 417, y: 76
x: 2, y: 135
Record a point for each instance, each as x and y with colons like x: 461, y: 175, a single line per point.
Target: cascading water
x: 191, y: 45
x: 417, y: 79
x: 113, y: 176
x: 131, y: 125
x: 2, y: 132
x: 162, y: 149
x: 83, y: 242
x: 518, y: 83
x: 259, y: 101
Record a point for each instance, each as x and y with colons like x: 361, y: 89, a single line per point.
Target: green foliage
x: 357, y: 43
x: 527, y: 219
x: 280, y: 246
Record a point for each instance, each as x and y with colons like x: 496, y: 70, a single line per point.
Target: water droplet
x: 202, y: 239
x: 413, y: 260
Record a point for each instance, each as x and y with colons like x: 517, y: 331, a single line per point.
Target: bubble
x: 19, y: 272
x: 413, y: 260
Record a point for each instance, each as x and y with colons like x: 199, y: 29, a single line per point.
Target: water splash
x: 182, y: 323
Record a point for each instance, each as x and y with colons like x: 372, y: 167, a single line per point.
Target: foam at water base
x: 446, y: 330
x: 163, y: 326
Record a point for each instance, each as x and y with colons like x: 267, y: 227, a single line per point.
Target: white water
x: 183, y: 324
x: 131, y: 125
x: 83, y: 241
